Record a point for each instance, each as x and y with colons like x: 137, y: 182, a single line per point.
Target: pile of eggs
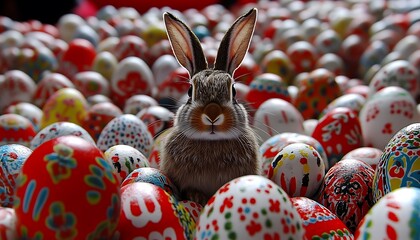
x: 333, y: 93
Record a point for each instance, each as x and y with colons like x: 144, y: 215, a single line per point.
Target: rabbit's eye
x: 190, y: 91
x: 233, y: 92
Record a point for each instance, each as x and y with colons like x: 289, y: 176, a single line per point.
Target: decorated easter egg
x: 138, y: 102
x: 347, y: 191
x: 353, y: 101
x: 132, y: 76
x: 399, y: 73
x: 399, y: 163
x: 328, y: 41
x: 247, y: 71
x: 193, y: 208
x: 12, y: 157
x: 99, y: 115
x: 163, y: 66
x: 130, y: 46
x: 385, y: 113
x: 394, y: 216
x: 373, y: 54
x: 298, y: 169
x: 126, y: 129
x: 67, y: 25
x: 275, y: 116
x: 316, y: 91
x: 154, y: 157
x: 318, y: 221
x: 369, y: 155
x: 249, y: 207
x: 16, y: 86
x: 173, y: 87
x: 303, y: 55
x: 27, y: 110
x: 90, y: 83
x: 66, y: 104
x: 272, y: 146
x: 331, y: 62
x: 78, y: 57
x: 7, y: 223
x: 157, y: 119
x: 125, y: 159
x: 17, y: 129
x: 48, y: 85
x: 339, y: 132
x: 267, y: 86
x: 277, y: 62
x: 49, y: 206
x: 41, y: 60
x: 105, y: 63
x: 351, y: 51
x: 58, y: 129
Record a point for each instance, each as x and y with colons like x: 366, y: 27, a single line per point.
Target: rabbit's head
x: 211, y: 112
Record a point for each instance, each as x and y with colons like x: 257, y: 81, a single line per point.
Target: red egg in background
x: 78, y: 57
x: 98, y: 116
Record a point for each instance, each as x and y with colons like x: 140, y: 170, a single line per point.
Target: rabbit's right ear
x: 185, y: 45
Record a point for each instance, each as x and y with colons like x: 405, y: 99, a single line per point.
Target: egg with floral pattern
x: 250, y: 207
x: 15, y: 128
x: 60, y: 185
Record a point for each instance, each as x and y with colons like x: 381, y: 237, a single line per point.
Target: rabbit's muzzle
x: 212, y: 115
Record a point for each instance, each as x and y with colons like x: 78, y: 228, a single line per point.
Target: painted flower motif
x: 62, y: 222
x: 97, y: 178
x: 60, y: 163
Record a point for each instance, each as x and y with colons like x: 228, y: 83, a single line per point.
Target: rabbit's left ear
x: 235, y: 43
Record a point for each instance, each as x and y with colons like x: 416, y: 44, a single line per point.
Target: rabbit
x: 211, y: 141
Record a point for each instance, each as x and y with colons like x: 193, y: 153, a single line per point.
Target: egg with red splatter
x: 7, y: 223
x: 298, y: 169
x: 250, y: 207
x: 15, y: 128
x: 99, y: 115
x: 126, y: 129
x: 399, y: 164
x: 149, y: 212
x: 12, y: 157
x: 125, y: 159
x: 48, y: 85
x: 394, y: 216
x: 60, y: 185
x: 319, y: 222
x: 193, y: 208
x: 16, y: 86
x: 347, y: 191
x: 157, y: 119
x: 369, y: 155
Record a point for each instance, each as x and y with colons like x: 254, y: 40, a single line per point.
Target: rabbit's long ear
x: 185, y: 45
x: 235, y: 43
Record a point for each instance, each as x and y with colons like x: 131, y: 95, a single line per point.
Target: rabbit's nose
x: 212, y: 115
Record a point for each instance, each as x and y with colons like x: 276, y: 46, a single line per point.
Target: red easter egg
x: 347, y: 191
x: 175, y: 85
x: 62, y: 183
x: 247, y: 71
x: 98, y: 116
x: 48, y: 85
x: 149, y: 212
x: 339, y: 132
x: 16, y: 86
x: 303, y: 55
x: 318, y: 221
x: 130, y: 46
x: 15, y: 128
x: 78, y: 57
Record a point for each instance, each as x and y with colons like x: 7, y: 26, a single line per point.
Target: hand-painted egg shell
x: 17, y: 129
x: 88, y: 33
x: 249, y: 207
x: 298, y: 169
x: 28, y: 110
x: 331, y: 62
x: 395, y: 216
x: 130, y: 46
x: 66, y: 104
x: 105, y: 63
x: 154, y: 157
x: 78, y: 57
x: 347, y: 191
x: 149, y: 212
x: 157, y: 119
x: 163, y: 67
x: 16, y: 86
x: 48, y: 200
x: 328, y: 41
x: 352, y: 101
x: 138, y: 102
x: 247, y: 71
x: 48, y: 85
x: 303, y: 55
x: 275, y: 116
x: 42, y: 61
x: 153, y: 176
x: 161, y: 48
x: 339, y: 132
x: 385, y: 113
x: 399, y: 73
x: 173, y: 87
x: 277, y: 62
x: 267, y: 86
x: 351, y: 51
x: 7, y: 223
x: 316, y: 91
x: 125, y: 159
x: 193, y: 208
x: 58, y: 129
x: 126, y: 129
x: 132, y: 76
x: 399, y: 164
x: 369, y: 155
x: 90, y: 83
x: 318, y: 221
x: 12, y: 157
x: 272, y: 146
x: 99, y: 115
